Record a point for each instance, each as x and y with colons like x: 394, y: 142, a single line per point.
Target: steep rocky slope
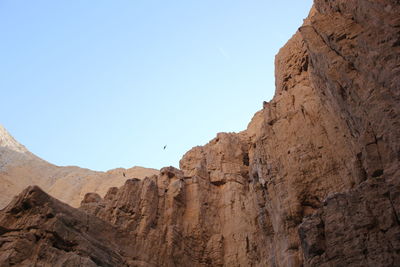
x: 38, y: 230
x: 313, y: 181
x: 20, y: 168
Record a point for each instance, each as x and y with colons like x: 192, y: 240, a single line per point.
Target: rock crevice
x: 312, y: 181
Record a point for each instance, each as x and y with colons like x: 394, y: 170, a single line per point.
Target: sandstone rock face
x: 314, y: 180
x: 20, y: 168
x: 359, y: 227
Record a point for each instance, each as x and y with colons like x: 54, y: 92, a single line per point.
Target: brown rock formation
x: 313, y: 181
x: 38, y: 230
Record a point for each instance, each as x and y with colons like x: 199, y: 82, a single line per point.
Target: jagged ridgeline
x: 313, y: 181
x: 20, y: 168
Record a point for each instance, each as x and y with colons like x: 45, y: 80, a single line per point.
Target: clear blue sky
x: 105, y: 84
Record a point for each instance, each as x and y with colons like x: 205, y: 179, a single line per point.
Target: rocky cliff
x: 314, y: 180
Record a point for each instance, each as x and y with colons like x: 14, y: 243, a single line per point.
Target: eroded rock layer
x: 313, y: 181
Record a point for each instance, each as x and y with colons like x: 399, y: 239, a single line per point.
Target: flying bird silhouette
x: 165, y: 147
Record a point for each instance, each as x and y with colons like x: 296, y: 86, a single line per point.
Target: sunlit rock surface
x: 313, y: 181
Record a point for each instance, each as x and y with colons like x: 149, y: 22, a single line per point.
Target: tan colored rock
x: 313, y: 181
x: 7, y: 141
x: 20, y: 168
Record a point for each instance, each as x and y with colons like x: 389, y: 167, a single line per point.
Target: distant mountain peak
x: 7, y: 141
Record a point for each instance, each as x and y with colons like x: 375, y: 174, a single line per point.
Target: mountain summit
x: 7, y: 141
x: 20, y: 168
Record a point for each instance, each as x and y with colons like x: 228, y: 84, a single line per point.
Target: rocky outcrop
x: 359, y: 227
x: 313, y: 180
x: 333, y: 123
x: 195, y: 216
x: 38, y: 230
x: 20, y: 168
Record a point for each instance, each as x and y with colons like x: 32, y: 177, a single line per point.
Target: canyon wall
x: 312, y: 181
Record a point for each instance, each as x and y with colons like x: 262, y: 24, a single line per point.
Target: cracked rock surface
x: 314, y: 180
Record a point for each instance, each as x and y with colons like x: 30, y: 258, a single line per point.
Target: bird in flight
x: 165, y: 147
